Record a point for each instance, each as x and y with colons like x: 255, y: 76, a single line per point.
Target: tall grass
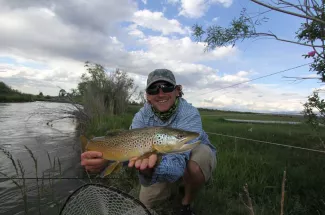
x: 19, y: 179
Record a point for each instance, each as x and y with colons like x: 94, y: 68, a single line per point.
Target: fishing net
x: 99, y: 199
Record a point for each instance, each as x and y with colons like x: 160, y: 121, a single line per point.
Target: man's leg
x: 154, y: 194
x: 198, y: 172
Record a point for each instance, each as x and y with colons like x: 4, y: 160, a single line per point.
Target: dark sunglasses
x: 154, y: 90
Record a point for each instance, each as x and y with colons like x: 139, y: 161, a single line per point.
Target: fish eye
x: 180, y: 136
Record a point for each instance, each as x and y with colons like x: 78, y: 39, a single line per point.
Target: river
x: 27, y: 124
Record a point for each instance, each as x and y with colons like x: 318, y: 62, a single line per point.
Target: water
x: 41, y: 127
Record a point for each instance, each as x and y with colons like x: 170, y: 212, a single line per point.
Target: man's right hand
x: 93, y: 161
x: 145, y: 165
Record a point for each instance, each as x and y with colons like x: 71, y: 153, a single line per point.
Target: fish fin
x: 84, y: 142
x: 146, y: 155
x: 115, y: 132
x: 114, y: 167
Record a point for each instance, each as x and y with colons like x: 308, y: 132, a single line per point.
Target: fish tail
x: 84, y: 142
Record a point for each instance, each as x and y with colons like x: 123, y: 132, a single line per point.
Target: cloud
x: 257, y: 98
x: 157, y: 22
x: 215, y: 19
x: 172, y: 1
x: 134, y: 31
x: 197, y: 8
x: 184, y: 50
x: 95, y: 15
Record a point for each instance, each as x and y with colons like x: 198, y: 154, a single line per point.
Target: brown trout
x: 120, y: 146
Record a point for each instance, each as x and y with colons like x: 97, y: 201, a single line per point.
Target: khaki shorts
x: 201, y: 154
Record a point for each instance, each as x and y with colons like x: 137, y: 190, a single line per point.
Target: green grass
x: 249, y: 116
x: 261, y: 166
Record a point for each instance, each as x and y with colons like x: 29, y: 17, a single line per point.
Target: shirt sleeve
x: 172, y: 166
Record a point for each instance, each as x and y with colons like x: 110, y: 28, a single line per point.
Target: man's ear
x: 179, y: 88
x: 147, y: 98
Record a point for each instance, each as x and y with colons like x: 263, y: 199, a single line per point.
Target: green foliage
x: 240, y: 28
x: 103, y: 93
x: 315, y: 103
x: 7, y: 94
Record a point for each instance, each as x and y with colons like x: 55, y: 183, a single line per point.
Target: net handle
x: 109, y: 188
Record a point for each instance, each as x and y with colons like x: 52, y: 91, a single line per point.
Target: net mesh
x: 99, y: 199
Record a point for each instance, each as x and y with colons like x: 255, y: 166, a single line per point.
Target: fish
x: 123, y: 145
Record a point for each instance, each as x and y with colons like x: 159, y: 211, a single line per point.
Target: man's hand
x: 144, y: 165
x: 93, y: 161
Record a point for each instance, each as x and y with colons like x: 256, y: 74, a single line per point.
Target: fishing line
x: 252, y: 79
x: 267, y: 142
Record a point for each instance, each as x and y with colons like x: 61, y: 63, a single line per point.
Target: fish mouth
x: 189, y: 136
x: 185, y: 147
x: 183, y: 142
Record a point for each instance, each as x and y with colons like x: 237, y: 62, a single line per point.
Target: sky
x: 44, y: 46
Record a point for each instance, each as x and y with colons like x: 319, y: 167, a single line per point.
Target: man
x: 166, y: 107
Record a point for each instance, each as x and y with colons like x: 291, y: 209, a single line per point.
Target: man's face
x: 162, y: 101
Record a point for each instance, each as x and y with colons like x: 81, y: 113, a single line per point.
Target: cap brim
x: 160, y: 79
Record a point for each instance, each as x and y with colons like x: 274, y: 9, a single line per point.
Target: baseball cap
x: 161, y: 75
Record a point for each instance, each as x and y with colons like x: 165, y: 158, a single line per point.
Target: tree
x: 104, y: 92
x: 311, y: 34
x: 62, y: 93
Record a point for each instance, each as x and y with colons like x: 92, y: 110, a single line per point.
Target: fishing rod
x: 63, y: 178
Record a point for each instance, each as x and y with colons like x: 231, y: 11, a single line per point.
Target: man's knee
x: 155, y: 193
x: 194, y: 172
x: 202, y: 162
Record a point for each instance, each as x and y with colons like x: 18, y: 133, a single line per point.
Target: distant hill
x: 7, y: 94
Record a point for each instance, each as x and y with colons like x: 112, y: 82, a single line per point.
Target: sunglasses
x: 154, y: 90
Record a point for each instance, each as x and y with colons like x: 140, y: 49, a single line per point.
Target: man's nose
x: 161, y: 93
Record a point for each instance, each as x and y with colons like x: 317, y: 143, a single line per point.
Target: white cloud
x: 257, y: 98
x: 157, y: 22
x: 184, y: 50
x: 197, y: 8
x: 215, y: 19
x: 172, y: 1
x: 225, y: 3
x: 193, y: 8
x: 135, y: 32
x: 144, y: 1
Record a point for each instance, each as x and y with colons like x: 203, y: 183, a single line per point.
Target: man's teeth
x: 162, y: 101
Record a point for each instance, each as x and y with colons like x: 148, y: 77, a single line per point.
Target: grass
x: 250, y: 116
x: 42, y: 188
x: 261, y: 166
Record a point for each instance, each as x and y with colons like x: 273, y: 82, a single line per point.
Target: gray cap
x: 161, y: 75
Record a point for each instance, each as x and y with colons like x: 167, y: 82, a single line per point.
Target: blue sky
x: 44, y: 47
